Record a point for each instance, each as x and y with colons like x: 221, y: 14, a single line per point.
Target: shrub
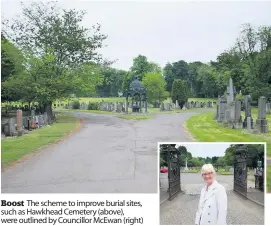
x: 93, y: 106
x: 179, y: 92
x: 76, y: 104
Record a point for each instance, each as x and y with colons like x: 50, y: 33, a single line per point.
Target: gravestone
x: 25, y: 122
x: 261, y: 122
x: 216, y: 113
x: 249, y: 123
x: 84, y: 106
x: 162, y: 106
x: 230, y: 92
x: 177, y: 105
x: 237, y: 115
x: 19, y: 121
x: 221, y: 110
x: 116, y: 106
x: 45, y: 118
x: 227, y: 115
x: 11, y: 127
x: 247, y: 107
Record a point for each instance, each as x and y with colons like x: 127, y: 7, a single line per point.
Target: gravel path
x: 182, y: 209
x: 108, y: 155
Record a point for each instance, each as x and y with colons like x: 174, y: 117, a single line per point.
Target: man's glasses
x: 207, y: 174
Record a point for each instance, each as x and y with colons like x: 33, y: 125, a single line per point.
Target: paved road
x: 108, y: 155
x: 182, y: 209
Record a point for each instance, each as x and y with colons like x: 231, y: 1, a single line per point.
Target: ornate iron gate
x: 240, y: 171
x: 174, y: 177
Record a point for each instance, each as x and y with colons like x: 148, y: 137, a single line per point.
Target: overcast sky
x: 165, y: 31
x: 206, y: 149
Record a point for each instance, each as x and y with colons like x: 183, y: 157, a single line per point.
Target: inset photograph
x: 212, y: 183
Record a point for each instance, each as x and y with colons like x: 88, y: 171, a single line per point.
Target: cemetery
x: 54, y: 84
x: 228, y: 111
x: 243, y: 180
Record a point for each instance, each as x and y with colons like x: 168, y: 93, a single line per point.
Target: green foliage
x: 155, y: 84
x: 176, y: 70
x: 12, y: 65
x: 179, y: 92
x: 112, y: 82
x: 255, y: 153
x: 239, y: 97
x: 93, y: 106
x: 141, y: 66
x: 128, y: 78
x: 76, y: 104
x: 62, y: 57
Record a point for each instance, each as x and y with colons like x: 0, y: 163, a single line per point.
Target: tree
x: 112, y: 81
x: 184, y: 155
x: 12, y: 64
x: 253, y: 46
x: 207, y: 78
x: 55, y: 43
x: 140, y: 66
x: 176, y: 70
x: 128, y: 78
x: 154, y: 68
x: 169, y: 76
x: 155, y: 84
x: 179, y: 92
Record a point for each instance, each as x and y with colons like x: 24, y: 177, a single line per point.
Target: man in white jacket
x: 212, y: 209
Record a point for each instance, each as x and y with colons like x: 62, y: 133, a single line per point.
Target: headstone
x: 45, y: 117
x: 11, y: 127
x: 217, y: 112
x: 19, y: 121
x: 248, y: 123
x: 237, y: 115
x: 247, y: 101
x: 221, y: 110
x: 230, y: 92
x: 177, y: 105
x: 162, y: 107
x: 37, y: 121
x: 227, y: 115
x: 261, y: 122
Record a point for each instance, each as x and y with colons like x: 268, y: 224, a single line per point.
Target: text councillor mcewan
x: 79, y: 220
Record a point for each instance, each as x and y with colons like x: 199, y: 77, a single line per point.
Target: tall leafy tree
x: 12, y: 65
x: 54, y: 41
x: 140, y: 66
x: 155, y: 84
x: 112, y: 81
x: 179, y: 92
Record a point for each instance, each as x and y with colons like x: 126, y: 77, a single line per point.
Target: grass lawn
x: 121, y: 99
x: 136, y: 117
x: 203, y: 128
x: 15, y: 148
x: 223, y: 172
x: 88, y: 111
